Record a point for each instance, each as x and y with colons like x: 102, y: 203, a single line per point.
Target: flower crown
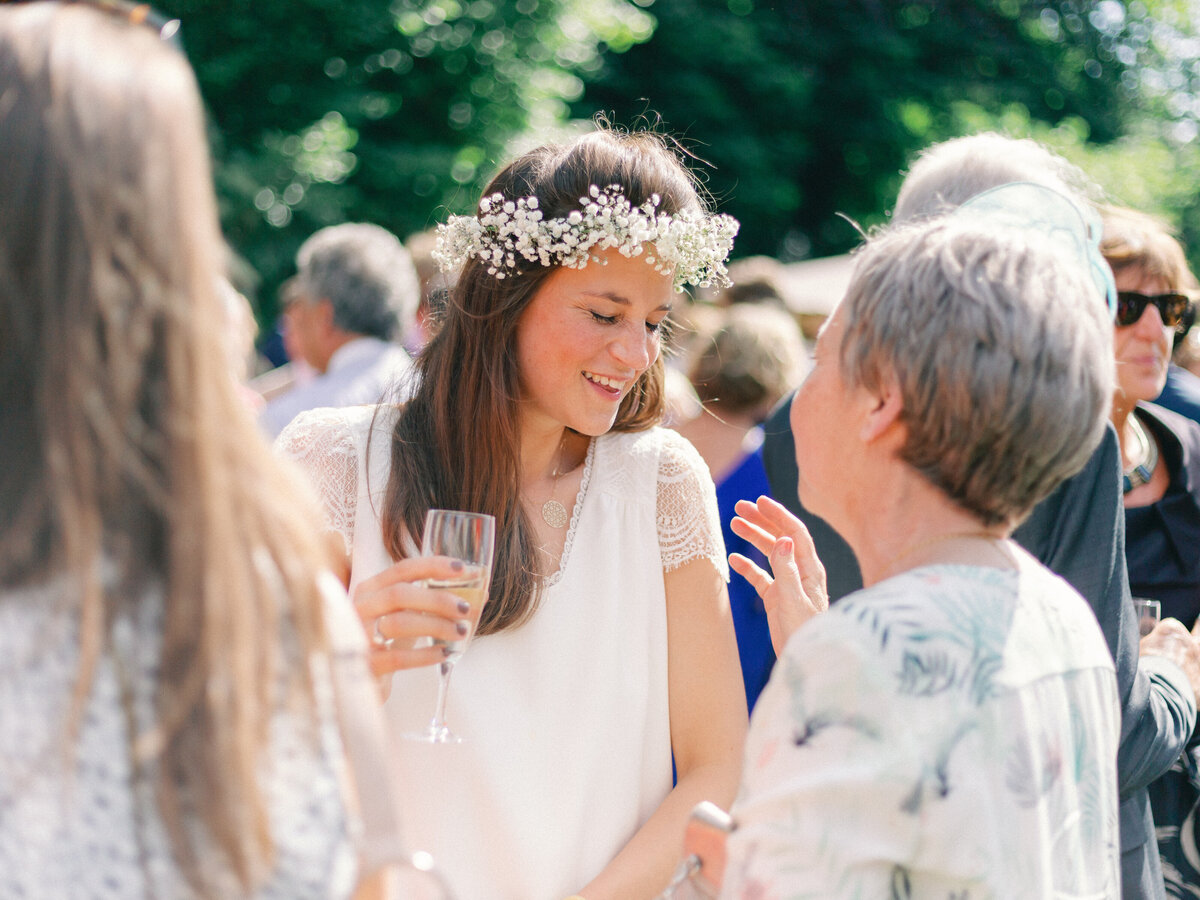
x: 692, y: 244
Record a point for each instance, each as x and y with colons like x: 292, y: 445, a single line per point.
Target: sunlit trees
x: 327, y: 110
x: 808, y: 109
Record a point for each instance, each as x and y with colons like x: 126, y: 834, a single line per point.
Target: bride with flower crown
x: 605, y: 651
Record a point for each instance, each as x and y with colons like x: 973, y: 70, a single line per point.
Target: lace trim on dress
x: 689, y: 525
x: 322, y: 443
x: 579, y: 498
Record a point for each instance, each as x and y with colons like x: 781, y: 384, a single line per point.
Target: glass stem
x: 439, y: 712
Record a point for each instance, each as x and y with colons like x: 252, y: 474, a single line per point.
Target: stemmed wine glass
x: 471, y: 538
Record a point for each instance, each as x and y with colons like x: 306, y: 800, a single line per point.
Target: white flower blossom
x: 692, y: 245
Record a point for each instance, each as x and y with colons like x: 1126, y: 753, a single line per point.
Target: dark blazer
x: 1162, y: 551
x: 1079, y: 533
x: 1162, y: 540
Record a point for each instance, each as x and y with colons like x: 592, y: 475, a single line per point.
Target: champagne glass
x: 1148, y: 613
x: 470, y: 538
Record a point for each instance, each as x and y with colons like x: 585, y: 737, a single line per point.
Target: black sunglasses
x: 133, y: 13
x: 1172, y: 307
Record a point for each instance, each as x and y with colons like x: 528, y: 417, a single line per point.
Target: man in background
x: 353, y: 297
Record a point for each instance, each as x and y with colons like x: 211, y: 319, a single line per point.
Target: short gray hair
x: 365, y: 273
x: 1002, y: 355
x: 948, y: 174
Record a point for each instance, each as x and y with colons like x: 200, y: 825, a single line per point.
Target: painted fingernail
x: 456, y: 565
x: 462, y: 627
x: 464, y: 607
x: 446, y: 651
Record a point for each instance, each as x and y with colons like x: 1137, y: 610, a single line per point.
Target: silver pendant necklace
x: 554, y: 513
x: 1143, y: 470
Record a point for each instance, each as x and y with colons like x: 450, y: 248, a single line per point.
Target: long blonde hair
x: 123, y: 438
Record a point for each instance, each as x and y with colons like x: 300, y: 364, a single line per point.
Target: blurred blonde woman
x: 172, y: 668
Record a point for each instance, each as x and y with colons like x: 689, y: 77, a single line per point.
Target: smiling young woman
x: 605, y: 648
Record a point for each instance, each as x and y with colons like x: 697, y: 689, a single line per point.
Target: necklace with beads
x: 1141, y: 471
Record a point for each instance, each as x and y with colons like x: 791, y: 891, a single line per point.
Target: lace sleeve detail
x: 689, y: 526
x: 321, y: 442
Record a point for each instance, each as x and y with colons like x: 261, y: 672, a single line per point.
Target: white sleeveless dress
x: 565, y: 720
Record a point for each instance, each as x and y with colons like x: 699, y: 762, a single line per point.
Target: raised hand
x: 794, y: 591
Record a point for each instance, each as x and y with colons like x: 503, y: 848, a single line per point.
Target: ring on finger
x: 377, y: 636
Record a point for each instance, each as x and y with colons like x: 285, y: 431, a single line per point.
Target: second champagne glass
x: 471, y: 538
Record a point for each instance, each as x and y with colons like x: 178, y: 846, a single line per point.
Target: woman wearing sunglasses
x: 1160, y: 450
x: 1160, y: 454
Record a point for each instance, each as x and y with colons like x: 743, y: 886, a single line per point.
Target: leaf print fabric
x: 950, y: 733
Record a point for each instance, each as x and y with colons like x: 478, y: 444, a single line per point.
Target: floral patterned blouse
x: 950, y: 733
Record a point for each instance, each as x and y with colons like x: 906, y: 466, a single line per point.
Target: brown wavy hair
x: 123, y: 437
x: 456, y: 443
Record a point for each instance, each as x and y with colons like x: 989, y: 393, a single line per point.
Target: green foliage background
x: 796, y: 110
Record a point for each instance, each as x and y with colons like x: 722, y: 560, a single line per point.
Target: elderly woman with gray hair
x: 950, y: 730
x: 1078, y: 531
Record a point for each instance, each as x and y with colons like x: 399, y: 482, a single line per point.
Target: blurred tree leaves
x: 328, y: 110
x: 807, y: 109
x: 395, y: 113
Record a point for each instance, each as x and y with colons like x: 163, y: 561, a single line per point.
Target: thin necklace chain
x: 980, y: 534
x: 554, y: 513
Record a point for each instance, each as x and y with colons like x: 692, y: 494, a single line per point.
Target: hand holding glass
x: 470, y: 538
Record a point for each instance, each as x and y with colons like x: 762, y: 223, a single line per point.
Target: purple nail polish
x: 462, y: 627
x: 464, y: 607
x: 456, y: 565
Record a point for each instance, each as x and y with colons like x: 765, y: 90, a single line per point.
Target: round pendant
x: 554, y: 513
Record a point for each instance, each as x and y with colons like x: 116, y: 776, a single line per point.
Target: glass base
x: 434, y: 734
x: 418, y: 880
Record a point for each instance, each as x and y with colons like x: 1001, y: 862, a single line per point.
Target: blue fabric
x: 1181, y: 393
x: 748, y: 481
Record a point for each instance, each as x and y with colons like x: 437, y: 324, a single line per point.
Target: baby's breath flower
x: 694, y: 245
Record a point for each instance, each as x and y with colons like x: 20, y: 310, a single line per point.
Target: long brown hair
x: 122, y: 436
x: 456, y: 443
